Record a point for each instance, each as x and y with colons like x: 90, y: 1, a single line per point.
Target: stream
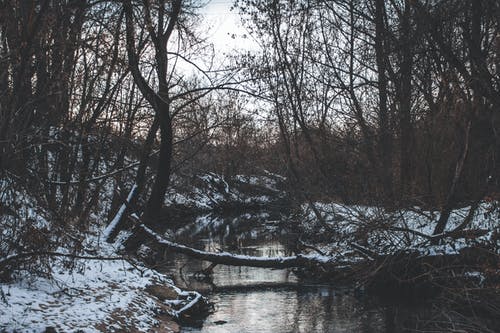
x: 249, y: 300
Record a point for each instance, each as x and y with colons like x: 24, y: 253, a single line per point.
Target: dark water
x: 249, y: 300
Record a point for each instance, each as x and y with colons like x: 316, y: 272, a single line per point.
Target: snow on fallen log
x: 118, y: 217
x: 195, y: 299
x: 226, y: 258
x: 191, y: 303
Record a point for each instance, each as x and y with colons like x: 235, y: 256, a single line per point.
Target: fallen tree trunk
x: 403, y: 272
x: 112, y: 228
x: 226, y: 258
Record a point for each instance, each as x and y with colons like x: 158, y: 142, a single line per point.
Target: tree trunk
x: 405, y: 126
x: 385, y: 139
x: 226, y: 258
x: 162, y: 180
x: 450, y: 199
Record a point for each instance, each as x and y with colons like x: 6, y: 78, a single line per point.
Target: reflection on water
x: 306, y: 309
x: 249, y: 300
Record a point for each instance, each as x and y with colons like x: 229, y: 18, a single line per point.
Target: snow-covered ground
x: 210, y: 191
x: 386, y: 232
x: 94, y: 296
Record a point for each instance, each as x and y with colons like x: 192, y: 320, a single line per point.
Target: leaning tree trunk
x: 450, y: 199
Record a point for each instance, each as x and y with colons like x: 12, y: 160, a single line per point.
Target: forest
x: 343, y: 163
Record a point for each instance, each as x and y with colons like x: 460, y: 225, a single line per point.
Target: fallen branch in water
x: 405, y: 269
x: 225, y: 258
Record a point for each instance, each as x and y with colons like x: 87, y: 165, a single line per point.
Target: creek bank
x: 388, y: 254
x: 216, y: 194
x: 102, y: 292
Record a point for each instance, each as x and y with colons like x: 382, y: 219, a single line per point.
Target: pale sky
x: 225, y: 29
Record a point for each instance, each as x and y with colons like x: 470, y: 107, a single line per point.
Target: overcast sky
x: 225, y: 29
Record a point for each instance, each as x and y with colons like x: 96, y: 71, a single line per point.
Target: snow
x: 94, y: 293
x: 269, y: 181
x: 479, y: 276
x: 74, y: 301
x: 114, y: 223
x: 197, y: 297
x: 210, y: 190
x: 388, y: 232
x: 103, y: 289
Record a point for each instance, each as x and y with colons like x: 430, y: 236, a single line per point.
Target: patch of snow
x: 76, y: 301
x: 114, y: 223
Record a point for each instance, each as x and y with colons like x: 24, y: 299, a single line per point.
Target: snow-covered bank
x: 93, y: 296
x: 210, y: 191
x: 386, y: 232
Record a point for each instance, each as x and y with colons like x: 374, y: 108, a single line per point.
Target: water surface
x: 251, y: 300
